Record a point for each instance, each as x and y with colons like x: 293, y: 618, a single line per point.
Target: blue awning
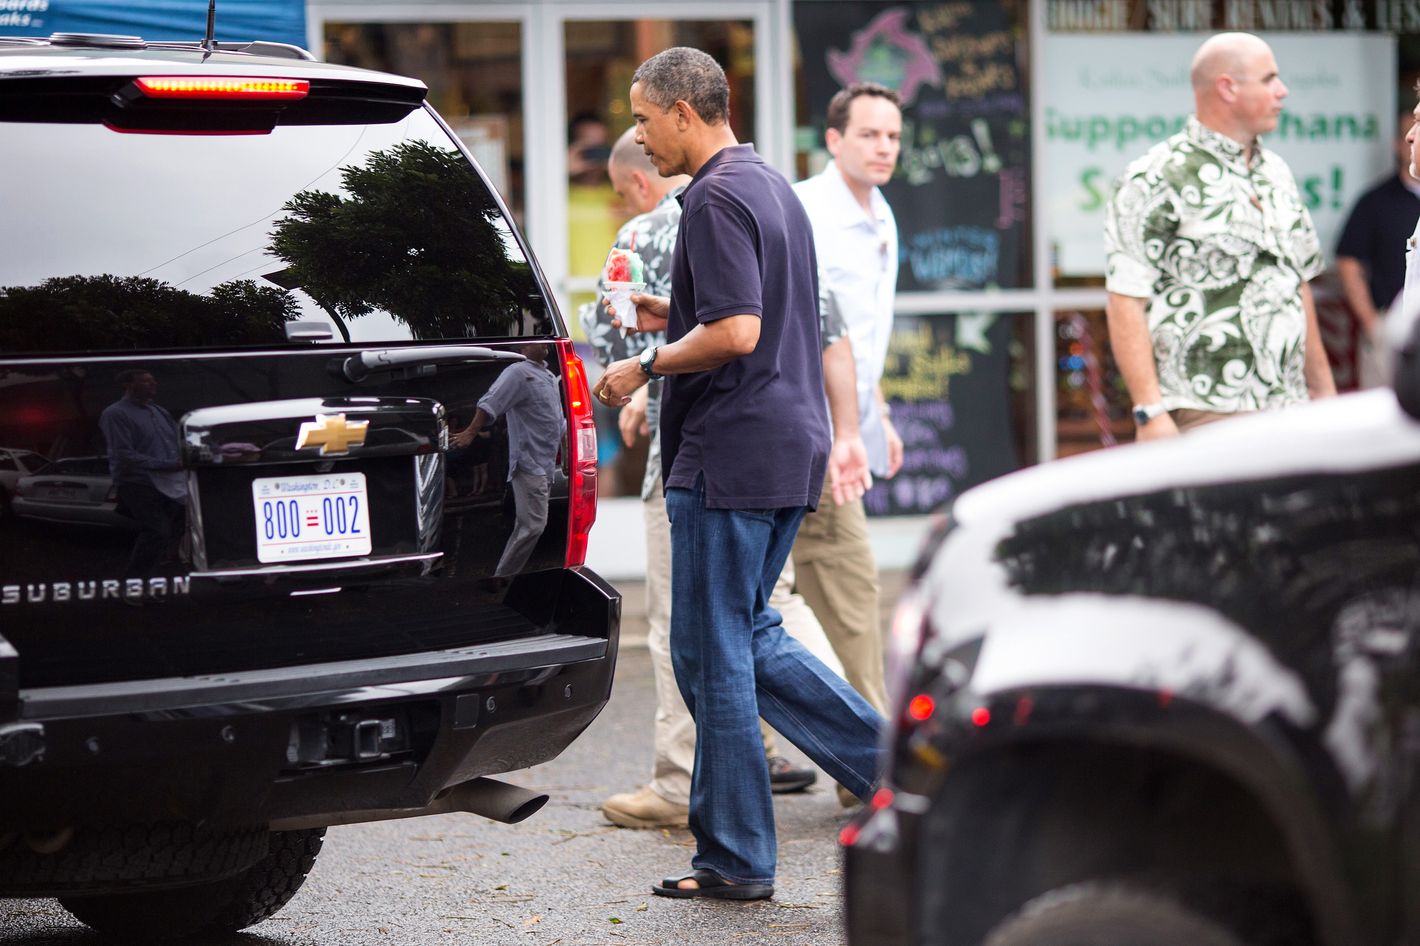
x: 281, y: 21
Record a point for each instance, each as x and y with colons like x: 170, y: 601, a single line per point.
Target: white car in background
x: 14, y: 464
x: 74, y: 489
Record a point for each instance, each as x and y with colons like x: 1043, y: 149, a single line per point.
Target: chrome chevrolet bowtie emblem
x: 332, y: 433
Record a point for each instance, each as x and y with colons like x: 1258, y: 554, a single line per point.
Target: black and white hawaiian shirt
x: 652, y: 235
x: 1221, y: 249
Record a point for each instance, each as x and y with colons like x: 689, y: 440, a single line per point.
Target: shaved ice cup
x: 619, y: 295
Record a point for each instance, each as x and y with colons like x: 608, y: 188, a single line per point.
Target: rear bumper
x: 223, y: 749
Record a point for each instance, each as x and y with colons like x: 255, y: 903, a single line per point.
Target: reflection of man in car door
x: 527, y: 394
x: 143, y: 459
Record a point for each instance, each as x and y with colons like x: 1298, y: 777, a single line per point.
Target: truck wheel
x: 119, y: 855
x: 222, y: 906
x: 1101, y: 914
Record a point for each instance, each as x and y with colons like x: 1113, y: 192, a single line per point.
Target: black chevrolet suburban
x: 283, y: 370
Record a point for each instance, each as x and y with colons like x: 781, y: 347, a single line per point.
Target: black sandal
x: 713, y: 886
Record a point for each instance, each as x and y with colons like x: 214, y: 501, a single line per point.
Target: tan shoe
x: 847, y: 799
x: 643, y: 808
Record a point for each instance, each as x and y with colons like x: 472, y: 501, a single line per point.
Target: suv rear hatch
x: 319, y: 288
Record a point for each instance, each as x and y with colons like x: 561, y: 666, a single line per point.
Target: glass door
x: 600, y: 57
x: 600, y: 49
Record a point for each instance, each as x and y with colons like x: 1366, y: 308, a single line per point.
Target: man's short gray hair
x: 690, y: 75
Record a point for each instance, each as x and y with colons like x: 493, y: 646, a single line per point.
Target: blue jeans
x: 734, y: 663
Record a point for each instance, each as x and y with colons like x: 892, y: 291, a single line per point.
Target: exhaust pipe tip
x: 497, y: 800
x: 526, y: 810
x: 487, y: 797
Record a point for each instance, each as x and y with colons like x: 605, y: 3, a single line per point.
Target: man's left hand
x: 894, y: 448
x: 620, y: 381
x: 848, y: 474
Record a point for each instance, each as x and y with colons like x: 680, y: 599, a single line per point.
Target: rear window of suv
x: 381, y: 230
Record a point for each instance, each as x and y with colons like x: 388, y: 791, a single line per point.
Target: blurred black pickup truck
x: 308, y: 473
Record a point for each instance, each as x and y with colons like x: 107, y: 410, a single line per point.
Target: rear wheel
x: 1102, y: 914
x: 222, y: 906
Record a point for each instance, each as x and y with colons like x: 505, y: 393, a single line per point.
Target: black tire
x: 1104, y: 914
x: 126, y: 855
x: 223, y: 906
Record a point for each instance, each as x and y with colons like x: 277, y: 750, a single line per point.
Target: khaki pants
x: 838, y: 577
x: 530, y: 491
x: 674, y: 755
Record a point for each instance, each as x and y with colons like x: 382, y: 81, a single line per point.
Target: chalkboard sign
x: 964, y: 173
x: 948, y: 380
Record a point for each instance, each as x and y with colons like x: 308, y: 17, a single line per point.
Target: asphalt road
x: 565, y: 876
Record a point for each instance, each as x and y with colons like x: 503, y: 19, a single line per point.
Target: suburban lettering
x: 62, y: 592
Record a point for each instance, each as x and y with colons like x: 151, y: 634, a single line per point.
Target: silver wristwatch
x: 1143, y: 413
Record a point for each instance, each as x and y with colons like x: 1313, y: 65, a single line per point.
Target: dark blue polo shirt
x: 757, y: 427
x: 1375, y: 233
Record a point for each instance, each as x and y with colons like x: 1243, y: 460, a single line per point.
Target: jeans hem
x: 699, y: 864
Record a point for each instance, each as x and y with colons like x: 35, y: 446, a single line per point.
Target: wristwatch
x: 648, y: 360
x: 1143, y: 413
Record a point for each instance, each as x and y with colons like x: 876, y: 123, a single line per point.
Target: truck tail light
x: 582, y: 468
x: 210, y: 88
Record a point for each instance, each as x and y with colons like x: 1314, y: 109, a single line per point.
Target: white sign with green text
x: 1109, y: 98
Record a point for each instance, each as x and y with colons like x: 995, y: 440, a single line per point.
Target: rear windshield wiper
x: 359, y: 367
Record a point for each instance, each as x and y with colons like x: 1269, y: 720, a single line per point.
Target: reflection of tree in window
x: 77, y: 313
x: 419, y: 236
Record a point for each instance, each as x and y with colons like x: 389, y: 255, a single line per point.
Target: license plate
x: 310, y: 517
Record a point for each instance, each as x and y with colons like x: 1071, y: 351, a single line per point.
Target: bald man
x: 1210, y: 250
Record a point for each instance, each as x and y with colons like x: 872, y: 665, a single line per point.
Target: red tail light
x: 244, y: 88
x: 582, y: 470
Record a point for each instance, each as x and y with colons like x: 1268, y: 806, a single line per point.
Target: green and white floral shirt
x: 1220, y: 248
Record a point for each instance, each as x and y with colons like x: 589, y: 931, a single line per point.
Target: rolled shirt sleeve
x: 503, y: 392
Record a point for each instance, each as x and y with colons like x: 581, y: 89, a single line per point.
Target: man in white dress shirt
x: 1410, y: 297
x: 855, y: 236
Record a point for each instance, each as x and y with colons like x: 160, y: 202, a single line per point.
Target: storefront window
x: 474, y: 74
x: 962, y: 400
x: 602, y: 55
x: 1092, y: 404
x: 1115, y: 82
